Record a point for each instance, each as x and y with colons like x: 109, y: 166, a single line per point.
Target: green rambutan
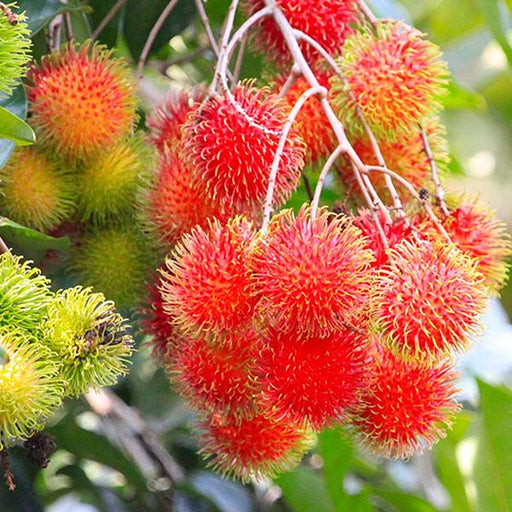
x: 37, y: 191
x: 89, y: 337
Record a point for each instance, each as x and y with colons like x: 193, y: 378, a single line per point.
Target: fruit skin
x: 428, y: 300
x: 395, y: 76
x: 474, y: 228
x: 24, y: 294
x: 166, y: 120
x: 328, y: 22
x: 315, y: 380
x: 89, y: 337
x: 406, y: 407
x: 115, y: 261
x: 311, y: 276
x: 82, y: 99
x: 37, y: 190
x: 207, y: 285
x: 14, y: 50
x: 252, y: 447
x: 30, y: 385
x: 232, y: 153
x: 111, y: 180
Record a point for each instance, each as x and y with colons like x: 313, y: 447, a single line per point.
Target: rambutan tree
x: 239, y: 269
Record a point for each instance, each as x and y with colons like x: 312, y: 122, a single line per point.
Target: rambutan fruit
x: 37, y: 192
x: 312, y: 275
x: 405, y: 156
x: 208, y: 283
x: 328, y: 22
x: 406, y: 408
x: 313, y: 125
x: 110, y: 181
x: 166, y: 121
x: 396, y: 231
x: 252, y: 447
x: 475, y: 230
x: 114, y: 261
x: 216, y: 378
x: 24, y: 294
x: 82, y: 100
x: 89, y: 337
x: 14, y: 50
x: 393, y: 74
x: 313, y: 380
x: 176, y: 202
x: 30, y: 385
x: 231, y: 145
x: 428, y: 300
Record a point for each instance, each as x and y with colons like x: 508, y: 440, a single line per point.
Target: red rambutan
x: 428, y: 300
x: 393, y: 74
x: 312, y: 275
x: 208, y: 284
x: 252, y: 447
x: 82, y: 99
x: 315, y: 380
x: 328, y: 22
x: 166, y: 120
x: 476, y: 231
x: 231, y: 146
x: 406, y: 408
x: 312, y: 123
x: 216, y: 378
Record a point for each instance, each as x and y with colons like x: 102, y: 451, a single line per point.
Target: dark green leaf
x: 15, y: 129
x: 141, y: 15
x: 110, y: 33
x: 305, y: 491
x: 17, y: 105
x: 41, y: 12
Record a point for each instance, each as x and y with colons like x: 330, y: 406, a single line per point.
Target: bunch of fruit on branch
x: 272, y: 323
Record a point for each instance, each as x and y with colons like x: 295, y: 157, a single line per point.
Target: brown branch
x: 6, y: 465
x: 11, y: 17
x: 207, y: 26
x: 107, y: 19
x: 239, y: 59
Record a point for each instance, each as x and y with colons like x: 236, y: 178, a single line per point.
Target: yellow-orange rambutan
x: 208, y: 285
x: 252, y: 447
x: 313, y: 380
x: 216, y: 378
x: 36, y: 190
x: 312, y: 275
x: 474, y: 228
x: 393, y: 74
x: 328, y: 22
x: 428, y: 300
x: 231, y: 143
x: 166, y: 120
x: 82, y: 99
x: 406, y: 408
x: 313, y: 125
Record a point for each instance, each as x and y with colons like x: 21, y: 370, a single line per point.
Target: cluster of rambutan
x: 52, y: 345
x: 85, y: 175
x: 319, y: 318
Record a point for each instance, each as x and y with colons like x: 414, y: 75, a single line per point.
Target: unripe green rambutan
x: 114, y: 261
x: 109, y: 182
x: 24, y: 294
x: 14, y: 50
x: 30, y: 385
x: 89, y: 337
x: 36, y: 190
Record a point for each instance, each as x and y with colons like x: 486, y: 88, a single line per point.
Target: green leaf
x: 305, y: 491
x: 41, y: 12
x: 490, y: 10
x: 493, y: 461
x: 15, y: 129
x: 16, y: 104
x: 461, y: 98
x: 404, y: 502
x: 32, y: 244
x: 141, y: 15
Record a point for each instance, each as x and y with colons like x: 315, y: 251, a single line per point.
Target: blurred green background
x: 136, y: 452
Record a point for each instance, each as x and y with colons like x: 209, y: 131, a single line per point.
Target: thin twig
x: 240, y: 59
x: 290, y: 80
x: 367, y: 12
x: 206, y: 22
x: 164, y: 65
x: 307, y: 186
x: 107, y: 19
x: 152, y: 36
x: 11, y: 16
